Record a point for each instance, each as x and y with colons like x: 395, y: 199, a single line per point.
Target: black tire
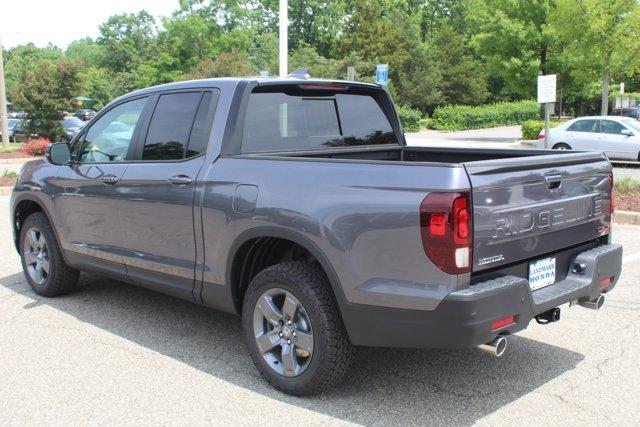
x: 333, y: 352
x: 561, y: 146
x: 60, y: 279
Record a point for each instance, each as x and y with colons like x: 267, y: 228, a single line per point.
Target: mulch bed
x: 628, y: 202
x: 7, y: 182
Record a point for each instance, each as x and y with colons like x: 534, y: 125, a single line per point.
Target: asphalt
x: 113, y: 353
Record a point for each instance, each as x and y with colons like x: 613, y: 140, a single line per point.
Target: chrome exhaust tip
x: 596, y: 304
x: 495, y: 348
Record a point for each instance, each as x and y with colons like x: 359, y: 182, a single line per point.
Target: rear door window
x: 584, y: 126
x: 277, y: 121
x: 170, y: 126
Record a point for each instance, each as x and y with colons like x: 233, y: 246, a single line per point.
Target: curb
x: 626, y: 217
x: 13, y: 161
x: 6, y: 191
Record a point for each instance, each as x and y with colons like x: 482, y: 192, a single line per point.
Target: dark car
x: 627, y: 112
x: 71, y: 125
x: 85, y: 114
x: 11, y: 124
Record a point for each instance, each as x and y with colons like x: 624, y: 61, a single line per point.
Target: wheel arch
x: 23, y: 206
x: 237, y: 254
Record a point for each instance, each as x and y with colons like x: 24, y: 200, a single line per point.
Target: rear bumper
x: 463, y: 319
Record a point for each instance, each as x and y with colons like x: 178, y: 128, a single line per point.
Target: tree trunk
x: 604, y: 105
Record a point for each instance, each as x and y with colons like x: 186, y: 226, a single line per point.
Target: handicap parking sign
x: 382, y: 74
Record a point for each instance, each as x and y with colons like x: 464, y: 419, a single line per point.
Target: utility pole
x: 4, y: 118
x: 284, y: 34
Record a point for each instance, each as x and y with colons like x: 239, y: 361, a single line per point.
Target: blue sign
x: 382, y: 74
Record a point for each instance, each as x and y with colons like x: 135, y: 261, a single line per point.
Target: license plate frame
x: 542, y: 273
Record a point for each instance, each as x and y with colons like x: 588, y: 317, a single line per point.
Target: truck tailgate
x: 527, y: 206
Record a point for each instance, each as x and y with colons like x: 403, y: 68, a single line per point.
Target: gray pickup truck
x: 296, y: 204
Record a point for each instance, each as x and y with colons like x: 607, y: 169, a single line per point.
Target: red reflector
x: 502, y: 323
x: 605, y: 282
x: 438, y: 224
x: 541, y: 136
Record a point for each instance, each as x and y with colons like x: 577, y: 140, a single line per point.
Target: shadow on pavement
x: 386, y: 386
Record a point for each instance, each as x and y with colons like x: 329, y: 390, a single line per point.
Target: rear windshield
x: 277, y: 121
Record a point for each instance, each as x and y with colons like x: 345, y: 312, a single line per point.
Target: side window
x: 109, y: 138
x: 611, y: 127
x: 170, y: 126
x: 199, y: 137
x: 584, y: 126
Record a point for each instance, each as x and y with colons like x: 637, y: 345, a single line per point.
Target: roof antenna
x: 300, y: 73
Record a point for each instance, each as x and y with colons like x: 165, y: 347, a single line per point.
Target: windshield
x: 633, y: 124
x: 72, y: 122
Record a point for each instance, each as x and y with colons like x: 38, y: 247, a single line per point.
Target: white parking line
x: 632, y: 257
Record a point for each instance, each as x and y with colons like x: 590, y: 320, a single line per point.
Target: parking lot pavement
x: 113, y: 353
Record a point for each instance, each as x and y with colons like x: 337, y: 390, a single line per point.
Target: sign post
x: 382, y: 74
x: 546, y: 96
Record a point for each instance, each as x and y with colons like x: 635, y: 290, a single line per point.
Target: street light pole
x: 4, y: 118
x: 284, y: 41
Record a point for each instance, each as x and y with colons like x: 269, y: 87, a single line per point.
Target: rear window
x: 277, y: 121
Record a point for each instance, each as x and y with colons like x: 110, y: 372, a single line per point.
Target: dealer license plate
x: 542, y: 273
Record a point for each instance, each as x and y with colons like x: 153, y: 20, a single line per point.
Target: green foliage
x: 532, y: 128
x: 9, y: 174
x: 229, y: 64
x: 46, y: 92
x: 627, y: 185
x: 460, y: 117
x: 409, y: 117
x: 20, y: 60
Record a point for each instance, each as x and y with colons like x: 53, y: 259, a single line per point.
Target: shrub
x: 461, y: 117
x: 410, y: 118
x: 627, y: 185
x: 532, y: 128
x: 9, y: 174
x: 35, y: 146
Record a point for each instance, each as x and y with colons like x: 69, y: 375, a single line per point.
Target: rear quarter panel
x: 362, y: 216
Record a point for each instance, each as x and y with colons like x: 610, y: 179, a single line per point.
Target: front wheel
x: 294, y: 330
x: 42, y: 262
x: 561, y: 146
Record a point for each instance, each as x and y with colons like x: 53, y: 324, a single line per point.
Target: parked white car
x: 618, y: 137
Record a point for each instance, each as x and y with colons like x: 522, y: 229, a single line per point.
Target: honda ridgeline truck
x: 296, y: 204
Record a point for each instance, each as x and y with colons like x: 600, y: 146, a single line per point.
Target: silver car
x: 618, y: 137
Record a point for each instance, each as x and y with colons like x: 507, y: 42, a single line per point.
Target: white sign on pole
x: 622, y: 88
x: 547, y: 88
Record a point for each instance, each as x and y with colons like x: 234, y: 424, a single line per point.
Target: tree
x: 463, y: 77
x: 609, y: 34
x: 128, y: 40
x: 228, y: 64
x: 85, y: 50
x: 100, y: 87
x: 46, y: 92
x: 511, y: 37
x: 21, y: 60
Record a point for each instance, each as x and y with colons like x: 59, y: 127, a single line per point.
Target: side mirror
x: 626, y: 132
x: 59, y: 153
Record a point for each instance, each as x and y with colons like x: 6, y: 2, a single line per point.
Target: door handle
x: 180, y: 180
x: 109, y: 179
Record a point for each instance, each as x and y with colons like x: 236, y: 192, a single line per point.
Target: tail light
x: 612, y: 205
x: 446, y: 228
x: 541, y: 135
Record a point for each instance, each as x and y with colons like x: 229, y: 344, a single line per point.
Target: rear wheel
x: 42, y: 262
x: 294, y: 330
x: 561, y: 146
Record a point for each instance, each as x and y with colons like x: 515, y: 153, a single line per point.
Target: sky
x: 60, y: 22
